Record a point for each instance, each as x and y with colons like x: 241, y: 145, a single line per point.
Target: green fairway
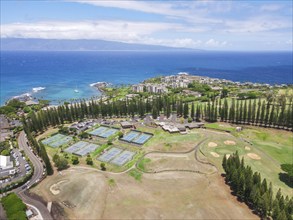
x: 274, y: 147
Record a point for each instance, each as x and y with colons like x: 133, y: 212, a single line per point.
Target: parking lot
x: 16, y: 173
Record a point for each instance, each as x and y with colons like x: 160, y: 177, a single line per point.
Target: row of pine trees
x: 255, y: 112
x: 254, y: 191
x: 38, y: 147
x: 263, y: 113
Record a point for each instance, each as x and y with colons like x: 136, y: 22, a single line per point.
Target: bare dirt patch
x: 82, y: 189
x: 214, y: 154
x: 253, y: 156
x: 212, y: 144
x: 175, y: 195
x: 228, y: 142
x: 162, y: 162
x: 247, y: 148
x: 228, y: 155
x: 55, y: 188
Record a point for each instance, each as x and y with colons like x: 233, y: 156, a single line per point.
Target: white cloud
x: 271, y: 7
x: 257, y: 24
x: 149, y: 7
x: 192, y: 11
x: 107, y: 30
x: 214, y: 43
x: 123, y: 31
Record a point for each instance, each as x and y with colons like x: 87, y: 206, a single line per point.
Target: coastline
x: 101, y: 87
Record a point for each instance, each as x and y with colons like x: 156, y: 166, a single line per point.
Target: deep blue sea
x: 60, y: 73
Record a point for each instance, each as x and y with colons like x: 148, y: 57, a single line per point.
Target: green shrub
x: 14, y: 207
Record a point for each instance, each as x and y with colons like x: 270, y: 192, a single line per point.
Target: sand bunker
x: 247, y: 148
x: 227, y: 142
x: 215, y: 154
x: 212, y: 144
x: 253, y: 156
x: 55, y: 190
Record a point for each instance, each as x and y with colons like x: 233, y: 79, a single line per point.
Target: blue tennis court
x: 75, y: 147
x: 108, y: 133
x: 53, y: 138
x: 60, y: 142
x: 142, y: 139
x: 87, y: 149
x: 109, y: 155
x: 98, y: 131
x: 130, y: 136
x: 122, y: 158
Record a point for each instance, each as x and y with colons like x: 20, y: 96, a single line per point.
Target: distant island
x: 34, y: 44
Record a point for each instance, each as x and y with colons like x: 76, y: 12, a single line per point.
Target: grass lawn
x: 143, y: 162
x: 164, y: 141
x: 137, y: 175
x: 220, y: 126
x: 273, y: 146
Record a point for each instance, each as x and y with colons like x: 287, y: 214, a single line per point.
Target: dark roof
x: 194, y: 125
x: 126, y: 123
x: 181, y: 127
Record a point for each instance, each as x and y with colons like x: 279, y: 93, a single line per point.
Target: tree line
x: 250, y: 188
x: 255, y: 112
x: 38, y: 147
x: 14, y: 207
x: 266, y: 113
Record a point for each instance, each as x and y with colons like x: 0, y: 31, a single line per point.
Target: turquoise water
x: 60, y: 73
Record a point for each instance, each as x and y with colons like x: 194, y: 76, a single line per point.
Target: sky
x: 236, y: 25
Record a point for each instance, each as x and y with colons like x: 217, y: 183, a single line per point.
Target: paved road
x: 38, y: 173
x: 2, y: 213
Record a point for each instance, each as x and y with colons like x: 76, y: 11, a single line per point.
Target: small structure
x: 4, y: 124
x: 29, y: 213
x: 31, y: 102
x: 131, y: 96
x: 181, y: 128
x: 15, y: 123
x: 5, y: 162
x: 138, y: 88
x: 216, y: 88
x: 238, y: 129
x: 194, y: 125
x: 192, y: 93
x: 126, y: 124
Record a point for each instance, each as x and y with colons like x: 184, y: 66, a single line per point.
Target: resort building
x: 126, y: 124
x: 5, y: 162
x: 138, y: 88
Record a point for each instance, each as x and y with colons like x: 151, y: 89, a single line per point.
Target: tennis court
x: 108, y: 133
x: 60, y: 142
x: 122, y: 158
x: 109, y: 155
x: 53, y: 138
x: 87, y: 149
x: 75, y: 147
x: 130, y: 136
x: 98, y: 130
x: 142, y: 139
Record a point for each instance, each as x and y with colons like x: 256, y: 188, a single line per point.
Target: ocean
x: 55, y: 75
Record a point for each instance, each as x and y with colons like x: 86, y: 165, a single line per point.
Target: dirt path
x: 179, y: 154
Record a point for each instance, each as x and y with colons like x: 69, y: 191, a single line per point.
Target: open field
x: 165, y: 175
x: 86, y: 194
x: 164, y: 141
x: 166, y: 162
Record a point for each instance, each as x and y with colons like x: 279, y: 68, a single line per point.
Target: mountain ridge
x: 37, y: 44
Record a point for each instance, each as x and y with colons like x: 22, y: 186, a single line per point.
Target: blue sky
x: 211, y: 25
